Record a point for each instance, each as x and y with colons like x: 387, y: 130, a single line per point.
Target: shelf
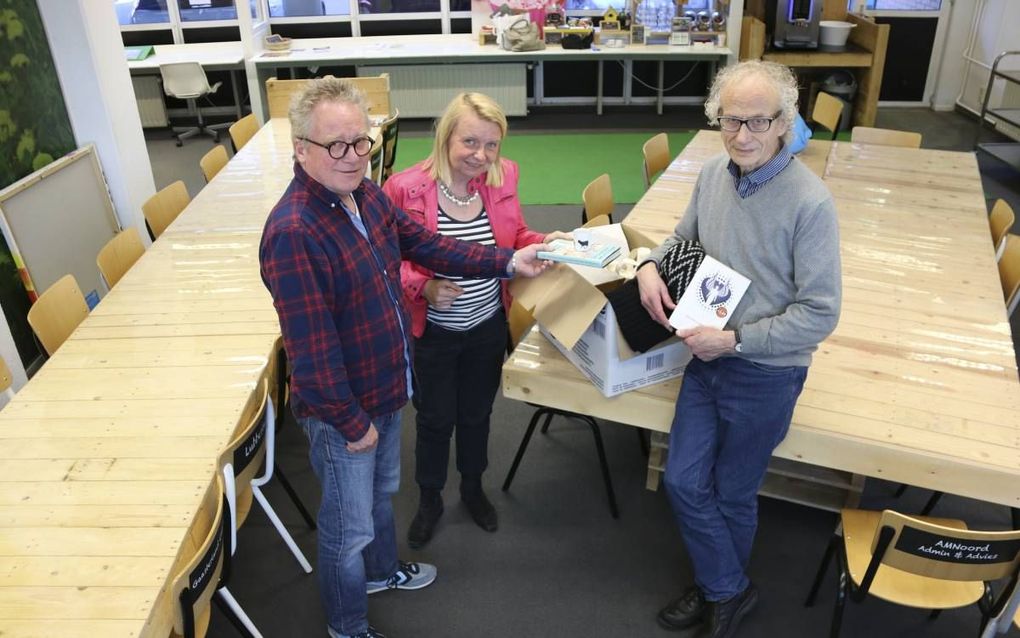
x: 1008, y: 152
x: 1010, y: 115
x: 1012, y: 76
x: 850, y: 56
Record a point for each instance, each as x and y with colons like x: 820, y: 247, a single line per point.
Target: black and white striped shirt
x: 481, y: 297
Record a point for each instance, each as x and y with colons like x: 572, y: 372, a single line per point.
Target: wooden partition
x: 376, y: 88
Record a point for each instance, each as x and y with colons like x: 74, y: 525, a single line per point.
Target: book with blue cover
x: 597, y: 255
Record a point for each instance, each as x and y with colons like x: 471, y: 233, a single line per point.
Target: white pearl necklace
x: 460, y: 201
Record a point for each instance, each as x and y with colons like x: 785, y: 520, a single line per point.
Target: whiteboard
x: 56, y: 220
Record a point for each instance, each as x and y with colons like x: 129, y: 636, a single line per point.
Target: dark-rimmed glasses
x: 754, y: 124
x: 338, y: 149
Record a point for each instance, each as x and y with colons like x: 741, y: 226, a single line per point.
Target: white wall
x: 88, y: 54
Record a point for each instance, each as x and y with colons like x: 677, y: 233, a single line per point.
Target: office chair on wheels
x: 187, y: 81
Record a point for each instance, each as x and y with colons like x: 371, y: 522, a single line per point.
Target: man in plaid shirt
x: 330, y: 256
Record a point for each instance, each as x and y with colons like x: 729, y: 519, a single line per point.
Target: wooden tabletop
x: 107, y: 452
x: 918, y: 384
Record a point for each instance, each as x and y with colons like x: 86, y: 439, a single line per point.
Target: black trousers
x: 456, y: 375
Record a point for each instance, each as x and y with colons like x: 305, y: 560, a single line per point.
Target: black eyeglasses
x: 754, y: 124
x: 338, y: 149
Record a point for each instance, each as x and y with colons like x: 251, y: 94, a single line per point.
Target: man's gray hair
x: 779, y: 75
x: 327, y: 89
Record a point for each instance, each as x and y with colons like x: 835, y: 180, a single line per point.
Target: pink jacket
x: 415, y: 192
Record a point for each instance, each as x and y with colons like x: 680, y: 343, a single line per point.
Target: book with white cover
x: 596, y: 256
x: 710, y: 298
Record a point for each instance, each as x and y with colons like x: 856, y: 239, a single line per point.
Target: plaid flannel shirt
x: 338, y: 297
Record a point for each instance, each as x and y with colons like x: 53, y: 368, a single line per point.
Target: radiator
x: 149, y: 95
x: 1010, y: 100
x: 425, y: 90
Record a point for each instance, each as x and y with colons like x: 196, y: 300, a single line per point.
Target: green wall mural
x: 34, y: 129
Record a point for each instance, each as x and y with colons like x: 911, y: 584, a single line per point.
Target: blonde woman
x: 464, y: 189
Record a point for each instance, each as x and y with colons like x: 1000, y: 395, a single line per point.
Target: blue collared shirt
x: 749, y: 184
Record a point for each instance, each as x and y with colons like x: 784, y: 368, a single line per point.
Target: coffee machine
x: 794, y: 23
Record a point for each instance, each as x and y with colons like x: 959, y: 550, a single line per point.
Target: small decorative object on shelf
x: 680, y: 34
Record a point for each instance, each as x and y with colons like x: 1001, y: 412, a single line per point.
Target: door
x: 916, y: 42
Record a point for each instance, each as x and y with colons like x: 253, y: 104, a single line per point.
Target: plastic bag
x: 801, y: 135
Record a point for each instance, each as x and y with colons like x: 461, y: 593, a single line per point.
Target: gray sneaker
x: 407, y: 576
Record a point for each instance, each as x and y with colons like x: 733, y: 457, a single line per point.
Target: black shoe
x: 430, y: 508
x: 478, y: 505
x: 686, y: 611
x: 723, y: 618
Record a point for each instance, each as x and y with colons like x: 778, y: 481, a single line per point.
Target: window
x: 903, y: 5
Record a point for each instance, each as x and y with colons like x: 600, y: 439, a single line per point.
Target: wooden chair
x: 6, y: 380
x: 279, y: 93
x: 119, y: 254
x: 243, y: 130
x: 390, y: 132
x: 598, y: 199
x: 213, y: 161
x: 656, y: 157
x: 240, y: 462
x: 1000, y: 221
x: 57, y: 312
x: 519, y: 323
x: 1009, y: 272
x: 202, y: 570
x: 827, y: 112
x: 900, y: 559
x: 279, y: 379
x: 162, y: 209
x: 885, y: 137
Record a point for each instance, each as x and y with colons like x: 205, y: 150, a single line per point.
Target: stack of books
x: 596, y: 256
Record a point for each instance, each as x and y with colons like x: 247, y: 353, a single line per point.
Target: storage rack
x: 1008, y: 152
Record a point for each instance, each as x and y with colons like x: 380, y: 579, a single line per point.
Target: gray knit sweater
x: 785, y: 239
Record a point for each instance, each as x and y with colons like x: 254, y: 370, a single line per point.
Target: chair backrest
x: 6, y: 380
x: 1000, y: 221
x: 57, y: 312
x: 598, y: 198
x: 376, y: 88
x: 1009, y: 272
x: 213, y: 161
x: 243, y: 130
x: 390, y: 131
x: 162, y: 209
x: 885, y: 137
x: 936, y: 551
x: 828, y: 111
x: 118, y: 255
x: 518, y: 323
x: 656, y: 154
x: 184, y: 80
x: 376, y: 161
x: 201, y: 563
x: 242, y: 458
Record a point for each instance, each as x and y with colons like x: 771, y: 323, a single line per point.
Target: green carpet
x: 556, y: 167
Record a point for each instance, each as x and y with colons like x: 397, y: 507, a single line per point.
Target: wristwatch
x: 739, y: 347
x: 511, y: 267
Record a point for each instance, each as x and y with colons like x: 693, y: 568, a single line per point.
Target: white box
x: 574, y: 314
x: 597, y: 355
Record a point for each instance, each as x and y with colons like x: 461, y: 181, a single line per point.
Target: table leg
x: 658, y: 90
x: 598, y: 95
x: 237, y: 93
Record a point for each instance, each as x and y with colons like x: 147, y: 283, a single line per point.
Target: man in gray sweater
x: 760, y: 211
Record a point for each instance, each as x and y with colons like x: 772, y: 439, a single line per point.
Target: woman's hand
x: 557, y: 234
x: 440, y: 293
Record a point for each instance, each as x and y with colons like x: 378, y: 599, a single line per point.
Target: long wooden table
x: 107, y: 452
x: 918, y: 384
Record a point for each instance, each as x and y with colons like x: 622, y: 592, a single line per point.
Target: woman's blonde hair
x: 485, y: 108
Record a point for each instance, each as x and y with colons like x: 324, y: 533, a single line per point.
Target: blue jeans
x: 730, y: 415
x: 357, y: 537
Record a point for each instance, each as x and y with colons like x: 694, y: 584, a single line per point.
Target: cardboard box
x: 573, y: 313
